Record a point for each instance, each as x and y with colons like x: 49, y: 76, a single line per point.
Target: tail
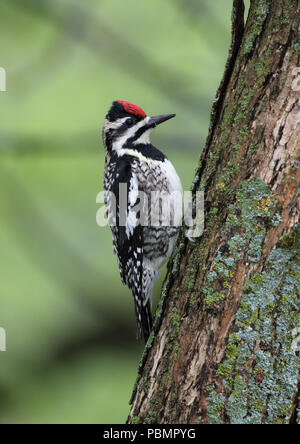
x: 141, y: 288
x: 143, y: 315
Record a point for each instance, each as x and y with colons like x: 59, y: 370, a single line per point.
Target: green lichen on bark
x: 297, y: 47
x: 249, y: 218
x: 234, y: 131
x: 260, y: 372
x: 136, y: 420
x: 260, y: 12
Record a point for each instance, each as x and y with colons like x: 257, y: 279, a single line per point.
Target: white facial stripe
x: 132, y: 152
x: 145, y: 137
x: 122, y: 119
x: 113, y: 125
x: 121, y: 141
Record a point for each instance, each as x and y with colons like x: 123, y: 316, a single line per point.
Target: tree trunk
x: 224, y: 345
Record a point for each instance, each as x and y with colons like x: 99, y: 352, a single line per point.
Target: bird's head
x: 127, y: 125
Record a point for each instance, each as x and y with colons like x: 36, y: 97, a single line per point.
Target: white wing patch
x: 131, y: 220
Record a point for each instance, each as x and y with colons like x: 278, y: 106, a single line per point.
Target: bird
x: 135, y: 168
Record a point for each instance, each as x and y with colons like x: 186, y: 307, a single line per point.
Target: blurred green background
x: 71, y: 349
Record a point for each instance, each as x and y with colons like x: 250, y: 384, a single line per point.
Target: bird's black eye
x: 129, y: 122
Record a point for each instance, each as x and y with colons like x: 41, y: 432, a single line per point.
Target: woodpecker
x: 132, y: 161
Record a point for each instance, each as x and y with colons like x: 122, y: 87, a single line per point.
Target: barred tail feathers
x: 143, y: 315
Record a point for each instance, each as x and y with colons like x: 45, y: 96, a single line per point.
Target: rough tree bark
x: 224, y: 345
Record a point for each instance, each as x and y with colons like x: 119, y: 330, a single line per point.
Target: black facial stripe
x: 147, y: 150
x: 114, y: 133
x: 138, y: 134
x: 121, y: 130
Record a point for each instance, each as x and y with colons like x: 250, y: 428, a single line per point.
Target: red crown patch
x: 132, y: 109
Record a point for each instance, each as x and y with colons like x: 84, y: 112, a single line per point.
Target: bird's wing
x: 127, y: 233
x: 128, y: 240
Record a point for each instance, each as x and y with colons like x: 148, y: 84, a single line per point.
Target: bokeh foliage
x: 71, y: 350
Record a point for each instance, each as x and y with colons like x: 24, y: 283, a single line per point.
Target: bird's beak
x: 156, y: 120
